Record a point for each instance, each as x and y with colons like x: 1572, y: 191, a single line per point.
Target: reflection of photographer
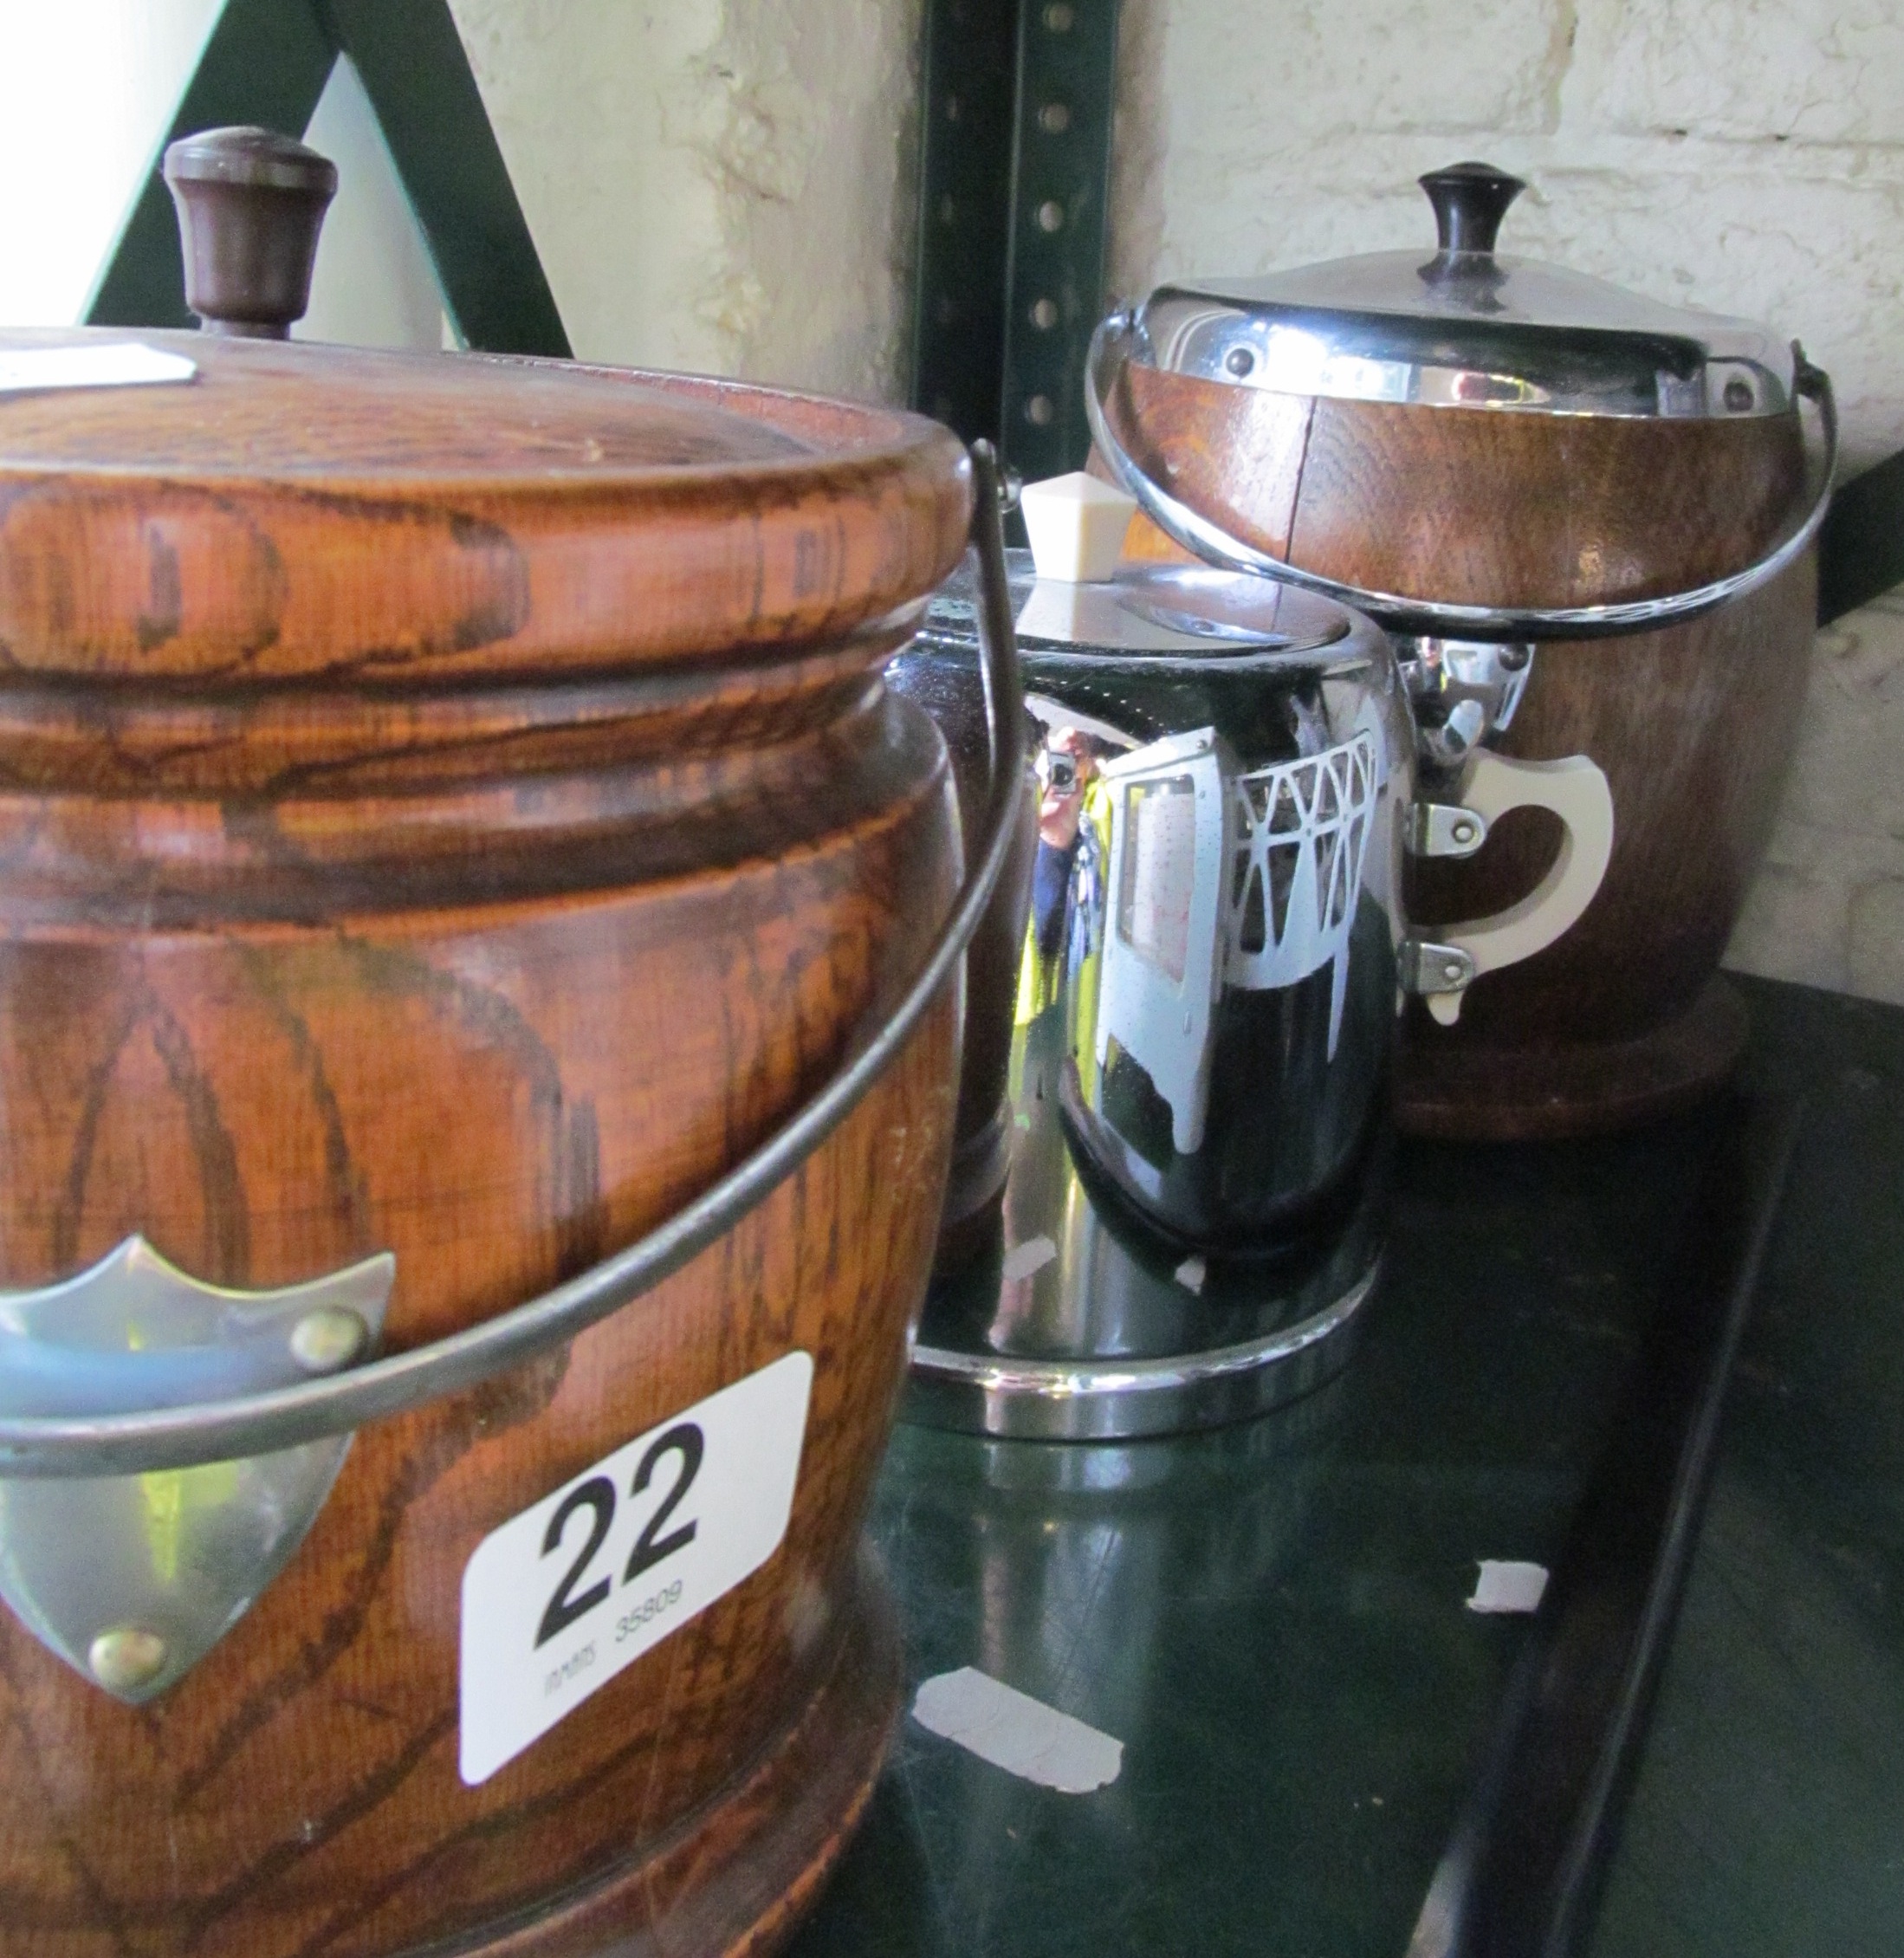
x: 1067, y: 877
x: 1066, y: 765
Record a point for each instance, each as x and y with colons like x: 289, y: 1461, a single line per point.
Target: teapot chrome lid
x: 1162, y: 613
x: 1467, y: 329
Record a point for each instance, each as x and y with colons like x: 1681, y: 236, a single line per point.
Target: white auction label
x: 559, y: 1599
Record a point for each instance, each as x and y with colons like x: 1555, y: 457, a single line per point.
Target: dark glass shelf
x: 1272, y: 1618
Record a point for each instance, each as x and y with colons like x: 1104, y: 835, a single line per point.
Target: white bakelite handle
x: 1576, y: 792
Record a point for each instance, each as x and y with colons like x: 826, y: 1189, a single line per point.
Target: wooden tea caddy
x: 450, y: 810
x: 1589, y: 519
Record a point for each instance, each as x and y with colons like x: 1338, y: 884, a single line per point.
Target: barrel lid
x: 186, y: 504
x: 1467, y: 327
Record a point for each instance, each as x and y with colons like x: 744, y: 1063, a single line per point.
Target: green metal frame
x: 1014, y: 183
x: 267, y: 62
x: 965, y: 186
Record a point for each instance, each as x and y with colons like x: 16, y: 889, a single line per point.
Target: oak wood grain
x: 1533, y: 509
x: 298, y: 511
x: 737, y: 1881
x: 1235, y: 455
x: 499, y: 1096
x: 1466, y: 506
x: 474, y: 877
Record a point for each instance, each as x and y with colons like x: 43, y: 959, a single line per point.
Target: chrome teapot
x: 1215, y: 962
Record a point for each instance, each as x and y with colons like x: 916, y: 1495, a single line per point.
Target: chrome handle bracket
x: 1463, y: 691
x: 1443, y: 829
x: 1426, y: 967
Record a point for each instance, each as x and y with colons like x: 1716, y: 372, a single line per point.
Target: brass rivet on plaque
x: 330, y: 1337
x: 126, y: 1657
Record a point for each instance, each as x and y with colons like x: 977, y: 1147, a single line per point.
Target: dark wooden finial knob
x: 1470, y: 199
x: 250, y: 204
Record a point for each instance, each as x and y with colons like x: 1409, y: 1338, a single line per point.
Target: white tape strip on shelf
x: 1508, y: 1586
x: 1013, y: 1731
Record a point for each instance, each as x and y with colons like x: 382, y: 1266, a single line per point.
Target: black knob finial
x: 1470, y: 199
x: 250, y: 204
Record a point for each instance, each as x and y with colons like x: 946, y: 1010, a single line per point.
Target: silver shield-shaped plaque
x: 132, y: 1580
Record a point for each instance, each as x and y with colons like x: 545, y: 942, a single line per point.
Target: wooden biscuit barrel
x: 449, y: 817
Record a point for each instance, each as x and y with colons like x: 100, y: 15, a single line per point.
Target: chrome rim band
x: 1118, y: 335
x: 175, y: 1437
x: 1136, y: 1396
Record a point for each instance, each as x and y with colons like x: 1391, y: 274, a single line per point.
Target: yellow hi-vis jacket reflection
x: 1081, y: 943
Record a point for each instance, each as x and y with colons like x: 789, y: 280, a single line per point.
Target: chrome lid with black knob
x: 1468, y: 327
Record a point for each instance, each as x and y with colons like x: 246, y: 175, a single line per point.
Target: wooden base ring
x: 736, y: 1877
x: 1478, y: 1093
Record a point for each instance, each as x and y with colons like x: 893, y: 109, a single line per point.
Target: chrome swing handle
x: 1120, y: 339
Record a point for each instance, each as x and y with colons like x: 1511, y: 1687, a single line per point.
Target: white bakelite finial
x: 1077, y: 525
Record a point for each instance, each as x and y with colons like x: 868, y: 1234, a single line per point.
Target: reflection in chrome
x: 1302, y: 831
x: 1295, y: 835
x: 1076, y: 1322
x: 1444, y: 676
x: 1221, y: 343
x: 1372, y: 328
x: 1165, y: 892
x: 1119, y: 1396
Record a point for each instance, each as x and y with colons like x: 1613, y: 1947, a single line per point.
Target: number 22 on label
x: 597, y: 1495
x: 562, y: 1597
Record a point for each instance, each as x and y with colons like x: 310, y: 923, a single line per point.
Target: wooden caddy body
x: 443, y: 811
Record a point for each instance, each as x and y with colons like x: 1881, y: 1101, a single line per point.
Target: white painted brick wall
x: 716, y: 184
